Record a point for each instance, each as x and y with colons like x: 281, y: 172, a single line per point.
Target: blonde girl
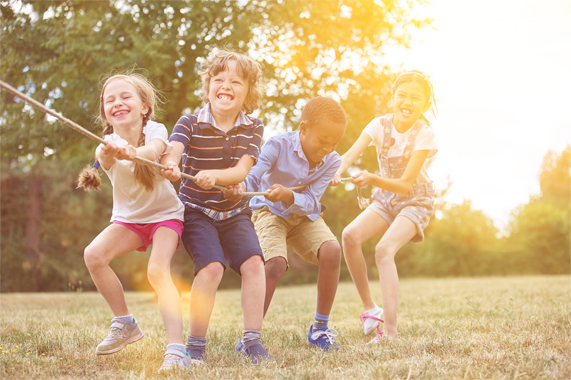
x: 146, y: 210
x: 403, y: 203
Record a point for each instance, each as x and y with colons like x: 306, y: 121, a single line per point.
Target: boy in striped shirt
x: 219, y: 145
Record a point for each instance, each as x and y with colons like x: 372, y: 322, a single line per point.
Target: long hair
x: 145, y: 175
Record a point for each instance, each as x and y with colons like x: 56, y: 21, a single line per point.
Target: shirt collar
x: 296, y: 142
x: 205, y: 117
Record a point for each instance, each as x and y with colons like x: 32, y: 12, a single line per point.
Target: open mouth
x: 120, y: 113
x: 225, y: 97
x: 406, y: 111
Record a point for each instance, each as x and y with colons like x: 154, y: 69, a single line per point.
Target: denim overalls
x: 418, y: 203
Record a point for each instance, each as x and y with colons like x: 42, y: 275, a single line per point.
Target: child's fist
x: 234, y: 193
x: 109, y: 150
x: 126, y: 152
x: 172, y: 173
x: 336, y: 180
x: 206, y: 179
x: 278, y: 193
x: 362, y: 178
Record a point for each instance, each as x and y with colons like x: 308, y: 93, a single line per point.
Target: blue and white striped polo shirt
x: 208, y: 147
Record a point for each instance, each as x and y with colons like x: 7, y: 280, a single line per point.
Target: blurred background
x: 501, y: 75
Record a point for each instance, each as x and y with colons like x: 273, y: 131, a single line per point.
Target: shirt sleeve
x: 425, y: 141
x: 307, y: 200
x: 254, y: 145
x: 182, y: 130
x: 266, y: 162
x: 374, y: 129
x: 154, y: 130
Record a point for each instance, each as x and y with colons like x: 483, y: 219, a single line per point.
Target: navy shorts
x: 231, y: 241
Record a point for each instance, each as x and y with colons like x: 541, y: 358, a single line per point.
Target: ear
x: 144, y: 109
x: 303, y: 127
x: 427, y: 106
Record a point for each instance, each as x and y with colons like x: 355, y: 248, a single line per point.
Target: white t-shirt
x: 424, y: 141
x: 131, y: 202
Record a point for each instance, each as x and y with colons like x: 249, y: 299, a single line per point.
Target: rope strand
x: 93, y: 136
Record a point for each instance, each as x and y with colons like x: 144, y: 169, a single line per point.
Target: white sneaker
x: 175, y: 359
x: 370, y: 320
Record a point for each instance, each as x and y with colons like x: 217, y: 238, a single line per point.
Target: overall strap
x: 409, y: 147
x: 386, y: 122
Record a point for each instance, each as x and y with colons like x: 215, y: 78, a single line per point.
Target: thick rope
x: 92, y: 136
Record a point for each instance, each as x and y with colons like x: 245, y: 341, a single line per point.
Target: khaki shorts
x: 299, y: 232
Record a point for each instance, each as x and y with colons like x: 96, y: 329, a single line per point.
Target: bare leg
x: 329, y: 257
x: 367, y: 225
x: 253, y: 292
x: 114, y: 241
x: 202, y: 296
x: 159, y: 273
x: 398, y: 234
x: 274, y: 269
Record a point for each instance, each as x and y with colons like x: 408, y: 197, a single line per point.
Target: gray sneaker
x: 176, y: 359
x: 120, y: 335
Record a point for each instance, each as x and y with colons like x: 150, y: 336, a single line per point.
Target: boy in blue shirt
x: 285, y: 217
x: 219, y: 145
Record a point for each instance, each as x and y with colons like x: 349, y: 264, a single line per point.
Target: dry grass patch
x: 492, y: 328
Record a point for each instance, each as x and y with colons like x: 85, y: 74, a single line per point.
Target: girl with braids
x: 404, y: 201
x: 146, y: 210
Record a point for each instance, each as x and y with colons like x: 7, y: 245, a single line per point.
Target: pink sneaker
x: 370, y: 321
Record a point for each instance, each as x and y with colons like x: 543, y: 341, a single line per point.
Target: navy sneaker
x: 256, y: 352
x: 324, y: 339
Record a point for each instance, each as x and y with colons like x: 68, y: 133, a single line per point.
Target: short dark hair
x: 322, y: 109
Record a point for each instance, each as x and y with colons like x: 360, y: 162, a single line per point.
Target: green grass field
x: 466, y: 328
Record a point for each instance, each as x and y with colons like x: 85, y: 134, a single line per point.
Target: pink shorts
x: 147, y: 230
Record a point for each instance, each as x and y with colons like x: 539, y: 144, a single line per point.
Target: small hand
x: 127, y: 152
x: 234, y: 193
x: 278, y: 193
x: 362, y: 178
x: 336, y: 180
x: 109, y: 150
x: 206, y: 179
x: 172, y: 173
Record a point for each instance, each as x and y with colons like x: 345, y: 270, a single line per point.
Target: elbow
x: 404, y: 187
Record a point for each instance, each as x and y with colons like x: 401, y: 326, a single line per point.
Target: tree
x: 56, y: 51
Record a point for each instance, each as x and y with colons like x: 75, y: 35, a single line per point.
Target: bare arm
x: 351, y: 155
x: 395, y: 185
x: 234, y: 175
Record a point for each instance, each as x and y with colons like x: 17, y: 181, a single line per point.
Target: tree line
x: 57, y: 52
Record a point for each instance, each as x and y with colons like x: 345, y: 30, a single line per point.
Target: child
x: 219, y: 145
x: 403, y: 202
x: 146, y: 211
x: 284, y: 216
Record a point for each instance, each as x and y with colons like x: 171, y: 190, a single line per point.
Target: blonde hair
x: 247, y: 68
x: 144, y: 175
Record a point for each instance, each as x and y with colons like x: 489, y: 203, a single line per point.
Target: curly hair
x: 247, y: 68
x: 323, y: 109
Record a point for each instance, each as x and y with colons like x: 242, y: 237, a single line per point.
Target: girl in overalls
x: 404, y: 201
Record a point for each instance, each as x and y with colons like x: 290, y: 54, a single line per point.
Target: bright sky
x: 501, y: 71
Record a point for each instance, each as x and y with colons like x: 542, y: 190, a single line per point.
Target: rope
x: 92, y: 136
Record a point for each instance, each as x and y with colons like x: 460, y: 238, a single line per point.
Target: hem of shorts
x: 419, y: 237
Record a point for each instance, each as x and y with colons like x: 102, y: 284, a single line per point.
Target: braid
x: 145, y: 175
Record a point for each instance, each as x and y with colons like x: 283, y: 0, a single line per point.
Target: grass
x: 466, y: 328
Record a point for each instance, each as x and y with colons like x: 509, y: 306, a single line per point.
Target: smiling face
x: 409, y: 103
x: 122, y: 106
x: 320, y: 139
x: 227, y: 92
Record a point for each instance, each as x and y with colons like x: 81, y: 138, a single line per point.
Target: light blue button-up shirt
x: 282, y: 161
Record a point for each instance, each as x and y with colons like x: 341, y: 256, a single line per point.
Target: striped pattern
x: 208, y: 147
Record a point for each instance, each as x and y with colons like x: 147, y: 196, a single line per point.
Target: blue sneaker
x: 256, y: 352
x: 324, y: 339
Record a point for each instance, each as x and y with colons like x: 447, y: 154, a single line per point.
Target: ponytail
x: 89, y: 178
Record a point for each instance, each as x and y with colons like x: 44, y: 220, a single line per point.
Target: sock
x: 374, y: 310
x: 179, y: 347
x: 251, y: 337
x: 196, y: 346
x: 127, y: 319
x: 320, y: 322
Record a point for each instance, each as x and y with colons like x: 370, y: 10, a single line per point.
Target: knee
x: 254, y: 264
x: 275, y: 268
x: 350, y: 237
x: 330, y: 253
x: 213, y: 272
x: 94, y: 258
x: 384, y: 253
x: 157, y: 274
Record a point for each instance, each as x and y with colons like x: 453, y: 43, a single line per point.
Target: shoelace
x: 117, y: 332
x: 364, y: 316
x: 329, y: 335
